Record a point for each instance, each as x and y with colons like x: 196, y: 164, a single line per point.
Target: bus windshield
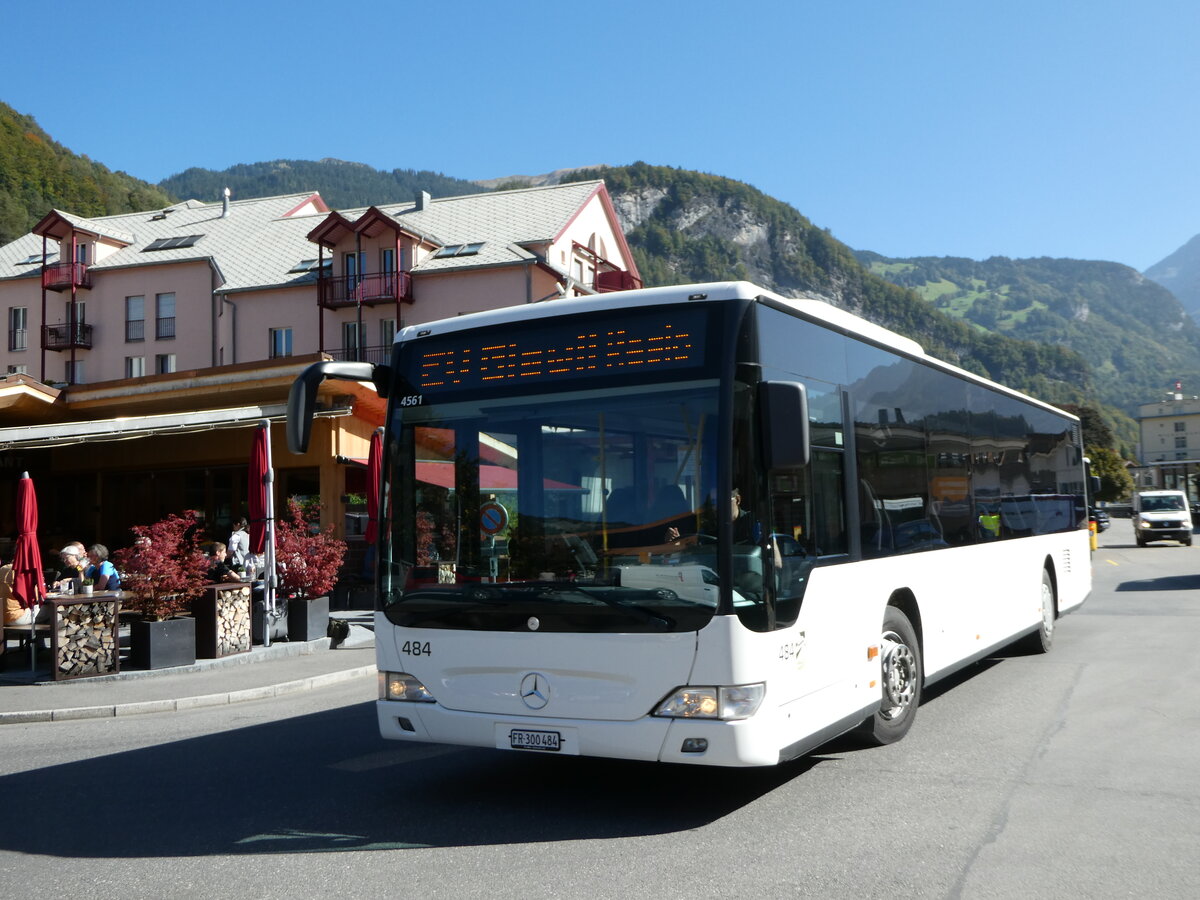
x: 589, y: 511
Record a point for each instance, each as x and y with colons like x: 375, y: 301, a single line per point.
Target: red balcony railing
x: 616, y: 280
x: 369, y: 290
x: 65, y: 336
x: 64, y: 276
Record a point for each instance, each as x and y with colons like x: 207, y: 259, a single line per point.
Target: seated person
x: 218, y: 569
x: 14, y: 612
x: 103, y: 573
x: 72, y: 558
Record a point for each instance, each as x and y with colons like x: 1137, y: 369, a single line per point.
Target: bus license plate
x: 534, y: 740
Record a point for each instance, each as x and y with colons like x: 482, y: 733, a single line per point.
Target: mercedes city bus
x: 702, y: 524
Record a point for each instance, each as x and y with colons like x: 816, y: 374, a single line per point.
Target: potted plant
x: 307, y: 559
x: 161, y: 574
x: 87, y: 587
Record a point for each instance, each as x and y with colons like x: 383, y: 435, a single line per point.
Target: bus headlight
x: 402, y: 686
x: 725, y: 702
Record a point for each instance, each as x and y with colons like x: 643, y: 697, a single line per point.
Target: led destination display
x: 558, y: 350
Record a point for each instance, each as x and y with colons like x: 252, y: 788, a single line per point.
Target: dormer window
x: 458, y: 250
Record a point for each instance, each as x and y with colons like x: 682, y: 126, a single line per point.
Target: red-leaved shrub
x: 307, y: 558
x: 164, y: 570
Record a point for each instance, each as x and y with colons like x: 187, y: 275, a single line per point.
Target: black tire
x: 1043, y: 639
x: 1187, y: 541
x: 1141, y: 543
x: 901, y: 675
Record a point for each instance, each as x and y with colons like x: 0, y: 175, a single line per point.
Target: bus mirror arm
x: 783, y: 406
x: 302, y: 399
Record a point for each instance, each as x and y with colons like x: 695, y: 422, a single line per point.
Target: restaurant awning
x: 62, y: 434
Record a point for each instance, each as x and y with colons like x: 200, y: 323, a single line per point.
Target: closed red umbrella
x: 28, y: 579
x: 262, y: 517
x: 374, y: 467
x: 257, y: 490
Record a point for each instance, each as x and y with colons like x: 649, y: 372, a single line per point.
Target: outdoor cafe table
x: 83, y: 634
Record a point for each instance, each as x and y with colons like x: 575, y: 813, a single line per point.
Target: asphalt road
x: 1068, y: 775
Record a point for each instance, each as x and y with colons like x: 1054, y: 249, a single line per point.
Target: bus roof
x: 810, y: 308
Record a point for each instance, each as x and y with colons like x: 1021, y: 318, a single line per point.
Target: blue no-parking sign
x: 493, y: 518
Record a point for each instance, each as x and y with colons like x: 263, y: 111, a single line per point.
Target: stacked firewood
x: 233, y: 620
x: 87, y: 639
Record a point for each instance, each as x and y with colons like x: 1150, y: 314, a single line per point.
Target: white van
x: 1161, y: 516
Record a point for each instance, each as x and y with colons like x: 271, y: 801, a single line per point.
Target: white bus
x: 701, y: 524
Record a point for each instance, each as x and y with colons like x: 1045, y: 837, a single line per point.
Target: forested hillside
x: 1133, y: 332
x: 343, y: 185
x: 37, y: 175
x: 687, y: 226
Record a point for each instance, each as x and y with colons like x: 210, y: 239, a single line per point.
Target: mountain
x: 1180, y: 274
x: 682, y: 226
x: 343, y: 185
x: 1133, y: 331
x: 518, y: 181
x: 38, y: 174
x: 687, y: 226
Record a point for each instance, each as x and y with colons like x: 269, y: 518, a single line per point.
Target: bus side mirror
x: 302, y: 399
x: 1095, y: 484
x: 783, y: 406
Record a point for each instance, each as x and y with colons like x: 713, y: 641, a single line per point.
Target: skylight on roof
x: 35, y: 259
x: 311, y: 265
x: 458, y: 250
x: 172, y: 243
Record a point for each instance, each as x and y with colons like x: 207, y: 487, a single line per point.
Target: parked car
x: 1100, y: 517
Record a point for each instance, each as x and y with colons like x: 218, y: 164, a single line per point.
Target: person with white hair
x: 73, y: 558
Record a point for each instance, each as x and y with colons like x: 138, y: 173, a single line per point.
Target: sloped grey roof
x: 96, y: 226
x: 504, y: 222
x: 255, y: 246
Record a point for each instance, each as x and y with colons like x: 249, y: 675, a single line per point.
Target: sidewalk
x: 282, y: 668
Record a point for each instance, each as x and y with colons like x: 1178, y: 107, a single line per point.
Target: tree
x: 307, y: 558
x: 1096, y: 432
x: 1115, y: 481
x: 164, y: 570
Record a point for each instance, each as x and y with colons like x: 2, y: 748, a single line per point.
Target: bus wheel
x: 900, y: 668
x: 1042, y: 639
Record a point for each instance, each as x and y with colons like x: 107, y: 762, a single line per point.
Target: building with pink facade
x: 142, y: 348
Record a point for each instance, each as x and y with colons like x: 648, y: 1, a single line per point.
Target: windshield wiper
x: 568, y: 586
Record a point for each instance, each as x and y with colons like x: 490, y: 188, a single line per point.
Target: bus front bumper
x: 739, y: 743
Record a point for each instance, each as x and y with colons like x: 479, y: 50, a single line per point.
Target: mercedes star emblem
x: 535, y: 690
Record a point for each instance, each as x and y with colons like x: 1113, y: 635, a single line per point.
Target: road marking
x: 1112, y: 562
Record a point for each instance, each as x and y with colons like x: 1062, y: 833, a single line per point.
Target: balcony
x: 380, y: 355
x: 66, y: 336
x: 371, y: 289
x: 616, y: 280
x: 64, y: 276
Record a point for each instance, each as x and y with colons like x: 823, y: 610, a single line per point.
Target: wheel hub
x: 899, y: 676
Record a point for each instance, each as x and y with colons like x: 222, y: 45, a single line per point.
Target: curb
x: 184, y: 703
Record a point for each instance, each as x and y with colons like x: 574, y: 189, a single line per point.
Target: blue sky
x: 909, y: 127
